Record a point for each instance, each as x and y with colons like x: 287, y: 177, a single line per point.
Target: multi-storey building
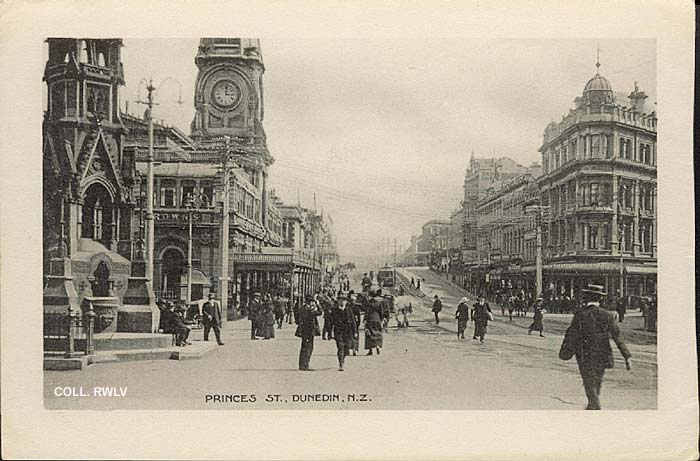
x: 480, y: 176
x: 506, y: 239
x: 599, y: 184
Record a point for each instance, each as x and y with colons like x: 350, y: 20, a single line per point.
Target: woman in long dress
x: 267, y: 319
x: 462, y: 316
x: 373, y: 324
x: 537, y: 324
x: 480, y: 317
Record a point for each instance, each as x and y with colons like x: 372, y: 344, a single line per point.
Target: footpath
x: 433, y: 284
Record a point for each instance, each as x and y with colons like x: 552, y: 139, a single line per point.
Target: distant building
x: 482, y: 174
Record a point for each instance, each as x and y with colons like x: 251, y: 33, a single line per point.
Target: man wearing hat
x: 211, y: 313
x: 342, y: 321
x: 181, y: 330
x: 306, y: 330
x: 588, y: 338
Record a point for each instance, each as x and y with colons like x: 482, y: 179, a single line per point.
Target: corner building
x: 599, y: 184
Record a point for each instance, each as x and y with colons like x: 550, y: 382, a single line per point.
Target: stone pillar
x: 614, y: 242
x: 139, y: 313
x: 636, y: 244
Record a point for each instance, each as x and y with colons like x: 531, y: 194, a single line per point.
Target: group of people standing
x: 264, y: 313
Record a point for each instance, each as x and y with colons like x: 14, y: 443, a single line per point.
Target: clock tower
x: 228, y: 95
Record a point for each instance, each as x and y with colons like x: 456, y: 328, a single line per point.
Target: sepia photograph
x: 358, y: 230
x: 261, y: 209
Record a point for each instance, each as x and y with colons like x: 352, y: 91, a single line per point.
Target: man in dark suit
x: 591, y: 330
x: 344, y: 328
x: 211, y: 313
x: 306, y: 330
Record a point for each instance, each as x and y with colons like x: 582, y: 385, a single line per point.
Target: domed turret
x: 597, y: 83
x: 598, y: 89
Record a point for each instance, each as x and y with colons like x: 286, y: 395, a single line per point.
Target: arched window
x: 101, y: 60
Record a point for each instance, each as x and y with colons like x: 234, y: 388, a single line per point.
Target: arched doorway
x: 173, y: 267
x: 98, y: 209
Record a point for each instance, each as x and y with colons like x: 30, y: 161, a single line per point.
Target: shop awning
x: 597, y: 267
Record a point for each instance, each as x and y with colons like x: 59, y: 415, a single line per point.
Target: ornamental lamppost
x: 150, y: 220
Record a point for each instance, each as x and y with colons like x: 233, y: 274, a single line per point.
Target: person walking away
x: 306, y: 330
x: 366, y: 283
x: 373, y: 324
x: 327, y: 305
x: 418, y: 283
x: 386, y: 306
x: 280, y: 306
x: 254, y: 311
x: 588, y: 338
x: 481, y: 314
x: 211, y: 312
x: 267, y: 319
x: 538, y: 316
x: 437, y: 307
x: 462, y: 316
x: 620, y: 307
x: 344, y: 328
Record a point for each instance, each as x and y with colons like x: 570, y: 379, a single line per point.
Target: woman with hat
x: 373, y: 324
x: 538, y: 312
x: 306, y: 330
x: 462, y: 316
x: 267, y: 318
x: 481, y: 314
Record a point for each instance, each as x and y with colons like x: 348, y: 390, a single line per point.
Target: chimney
x: 637, y: 99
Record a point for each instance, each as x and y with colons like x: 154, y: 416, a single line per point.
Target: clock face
x: 226, y: 94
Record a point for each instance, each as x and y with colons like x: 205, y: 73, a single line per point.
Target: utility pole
x: 223, y: 245
x: 621, y: 237
x: 539, y: 212
x: 150, y: 219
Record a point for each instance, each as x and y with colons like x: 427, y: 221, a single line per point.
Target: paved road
x: 423, y: 367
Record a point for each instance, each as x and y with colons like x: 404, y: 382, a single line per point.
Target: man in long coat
x: 306, y: 330
x: 480, y: 317
x: 211, y: 313
x: 342, y: 321
x: 462, y: 316
x: 589, y: 338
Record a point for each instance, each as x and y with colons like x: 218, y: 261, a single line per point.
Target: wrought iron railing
x: 69, y: 333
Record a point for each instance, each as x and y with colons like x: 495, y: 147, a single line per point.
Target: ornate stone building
x: 599, y: 182
x: 91, y: 245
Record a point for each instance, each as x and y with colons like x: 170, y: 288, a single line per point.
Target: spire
x: 597, y: 63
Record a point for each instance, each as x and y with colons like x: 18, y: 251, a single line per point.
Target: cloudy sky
x: 382, y: 131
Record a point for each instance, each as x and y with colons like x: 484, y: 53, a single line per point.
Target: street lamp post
x: 189, y: 204
x: 621, y: 236
x: 150, y: 220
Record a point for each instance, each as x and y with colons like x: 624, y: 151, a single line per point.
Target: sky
x: 381, y: 131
